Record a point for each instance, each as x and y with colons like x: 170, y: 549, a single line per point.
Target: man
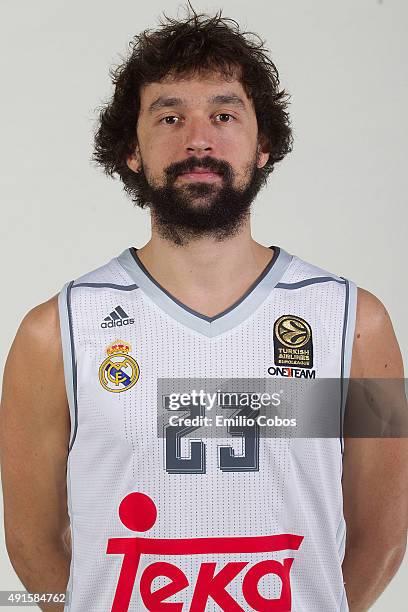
x: 125, y: 514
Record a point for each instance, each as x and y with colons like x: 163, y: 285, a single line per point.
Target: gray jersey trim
x: 68, y: 354
x: 350, y: 310
x: 347, y: 336
x: 208, y: 326
x: 70, y: 375
x: 71, y: 581
x: 344, y: 607
x: 109, y: 285
x: 199, y: 314
x: 309, y: 281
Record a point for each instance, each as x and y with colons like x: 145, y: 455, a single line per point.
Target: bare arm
x: 375, y: 471
x: 34, y: 438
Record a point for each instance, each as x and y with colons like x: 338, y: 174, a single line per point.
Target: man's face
x: 197, y: 157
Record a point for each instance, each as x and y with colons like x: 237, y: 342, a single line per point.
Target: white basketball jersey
x: 169, y: 517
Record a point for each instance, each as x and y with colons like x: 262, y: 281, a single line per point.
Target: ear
x: 133, y: 161
x: 262, y: 151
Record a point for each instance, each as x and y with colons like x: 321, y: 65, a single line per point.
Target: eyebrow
x: 165, y: 102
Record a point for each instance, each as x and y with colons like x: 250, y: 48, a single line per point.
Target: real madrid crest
x: 119, y: 371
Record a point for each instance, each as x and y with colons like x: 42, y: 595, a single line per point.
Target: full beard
x: 199, y: 209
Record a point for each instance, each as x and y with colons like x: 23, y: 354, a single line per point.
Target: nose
x: 199, y: 136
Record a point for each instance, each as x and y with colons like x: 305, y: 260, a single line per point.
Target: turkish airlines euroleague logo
x: 138, y: 512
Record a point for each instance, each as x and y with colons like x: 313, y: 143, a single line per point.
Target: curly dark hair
x: 196, y: 45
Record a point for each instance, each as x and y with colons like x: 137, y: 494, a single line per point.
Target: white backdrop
x: 338, y: 200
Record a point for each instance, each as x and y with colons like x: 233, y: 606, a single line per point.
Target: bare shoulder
x: 371, y: 312
x: 40, y: 326
x: 375, y: 463
x: 376, y: 353
x: 34, y: 385
x: 34, y: 432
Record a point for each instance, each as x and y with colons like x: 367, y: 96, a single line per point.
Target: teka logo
x: 138, y: 512
x: 117, y: 318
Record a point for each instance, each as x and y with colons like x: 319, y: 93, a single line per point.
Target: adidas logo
x: 117, y: 318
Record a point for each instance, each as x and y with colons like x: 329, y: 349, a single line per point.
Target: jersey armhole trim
x: 350, y: 310
x: 69, y: 358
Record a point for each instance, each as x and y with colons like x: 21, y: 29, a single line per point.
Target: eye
x: 163, y: 120
x: 225, y: 115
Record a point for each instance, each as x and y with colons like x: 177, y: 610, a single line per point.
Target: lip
x: 200, y: 173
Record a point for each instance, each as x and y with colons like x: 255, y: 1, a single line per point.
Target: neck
x: 206, y: 267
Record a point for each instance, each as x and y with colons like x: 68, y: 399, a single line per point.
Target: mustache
x: 209, y: 163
